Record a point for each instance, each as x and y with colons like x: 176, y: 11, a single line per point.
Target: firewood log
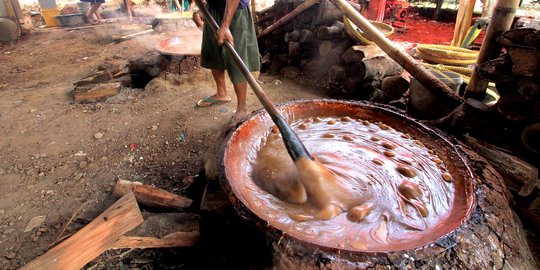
x: 496, y: 70
x: 393, y: 87
x: 536, y: 110
x: 529, y: 87
x: 307, y: 37
x: 336, y: 30
x: 94, y: 239
x: 532, y: 40
x: 514, y: 107
x: 517, y: 35
x: 294, y: 49
x: 524, y: 60
x: 151, y: 196
x: 163, y: 230
x: 292, y: 36
x: 469, y: 116
x: 375, y: 68
x: 352, y: 56
x: 337, y: 73
x: 530, y: 137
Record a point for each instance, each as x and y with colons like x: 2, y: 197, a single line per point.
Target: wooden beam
x: 92, y: 240
x: 463, y: 21
x: 151, y: 196
x: 503, y: 16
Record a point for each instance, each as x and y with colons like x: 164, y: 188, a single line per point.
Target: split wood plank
x: 503, y: 16
x: 96, y: 92
x: 92, y: 240
x: 177, y: 239
x: 151, y: 196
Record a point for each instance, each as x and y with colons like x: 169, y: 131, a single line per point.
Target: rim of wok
x: 460, y: 171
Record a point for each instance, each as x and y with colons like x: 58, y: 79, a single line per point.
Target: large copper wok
x: 241, y: 145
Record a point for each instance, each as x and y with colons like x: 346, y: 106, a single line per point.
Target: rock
x: 10, y: 255
x: 278, y: 82
x: 2, y: 212
x: 77, y: 175
x: 154, y: 127
x: 9, y: 32
x: 98, y: 135
x: 83, y: 164
x: 34, y: 222
x: 49, y: 192
x: 9, y: 231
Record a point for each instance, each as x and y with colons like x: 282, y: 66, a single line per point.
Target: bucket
x: 423, y: 104
x: 49, y: 15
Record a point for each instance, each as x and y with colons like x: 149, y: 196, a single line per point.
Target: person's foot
x: 239, y: 115
x: 213, y: 100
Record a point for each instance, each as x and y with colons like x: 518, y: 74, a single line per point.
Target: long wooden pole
x: 463, y: 21
x: 503, y: 16
x: 417, y: 70
x: 294, y: 146
x: 299, y: 9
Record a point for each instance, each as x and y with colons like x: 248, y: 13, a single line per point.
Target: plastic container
x: 70, y: 20
x: 49, y: 15
x: 423, y: 104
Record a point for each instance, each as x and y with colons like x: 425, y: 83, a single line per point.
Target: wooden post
x: 417, y: 70
x: 503, y: 16
x: 128, y: 9
x: 92, y: 240
x: 463, y: 21
x: 299, y: 9
x: 254, y: 10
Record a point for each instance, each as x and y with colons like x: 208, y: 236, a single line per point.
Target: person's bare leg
x: 98, y: 15
x: 92, y: 12
x: 241, y: 107
x: 221, y: 89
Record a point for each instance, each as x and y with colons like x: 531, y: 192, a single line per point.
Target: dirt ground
x: 52, y: 164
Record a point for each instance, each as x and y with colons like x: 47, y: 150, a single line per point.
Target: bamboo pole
x: 417, y: 70
x: 299, y: 9
x: 463, y: 21
x: 254, y: 10
x: 503, y: 16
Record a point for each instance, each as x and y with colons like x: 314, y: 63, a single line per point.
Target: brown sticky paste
x: 405, y: 188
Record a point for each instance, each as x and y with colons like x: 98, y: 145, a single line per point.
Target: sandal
x: 209, y: 101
